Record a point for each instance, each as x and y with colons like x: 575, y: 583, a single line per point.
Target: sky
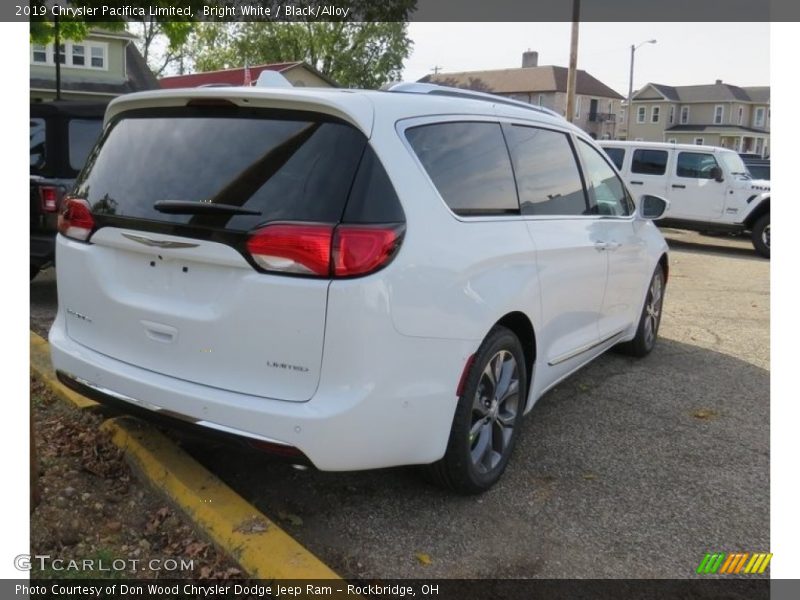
x: 684, y: 53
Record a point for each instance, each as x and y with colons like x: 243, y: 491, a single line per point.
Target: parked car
x: 758, y: 167
x: 359, y: 279
x: 62, y: 134
x: 709, y: 189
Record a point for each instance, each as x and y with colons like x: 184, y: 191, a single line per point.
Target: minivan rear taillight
x: 49, y: 196
x: 75, y: 220
x: 322, y: 250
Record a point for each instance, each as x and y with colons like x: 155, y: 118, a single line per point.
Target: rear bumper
x: 367, y: 412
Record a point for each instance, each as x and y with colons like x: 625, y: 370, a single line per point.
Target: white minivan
x: 708, y: 188
x: 356, y: 279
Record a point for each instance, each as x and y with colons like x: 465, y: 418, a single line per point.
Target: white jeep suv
x: 357, y: 278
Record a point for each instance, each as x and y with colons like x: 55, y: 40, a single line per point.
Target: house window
x: 741, y: 114
x: 83, y: 55
x: 78, y: 55
x: 39, y: 54
x: 541, y: 99
x: 684, y: 114
x: 577, y: 107
x: 99, y: 57
x: 641, y: 114
x: 671, y: 115
x: 759, y: 118
x: 672, y: 141
x: 698, y: 141
x: 656, y: 114
x: 718, y: 113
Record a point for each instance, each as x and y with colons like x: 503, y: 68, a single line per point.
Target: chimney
x: 719, y: 82
x: 530, y: 59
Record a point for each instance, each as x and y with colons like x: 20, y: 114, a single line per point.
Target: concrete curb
x: 262, y: 548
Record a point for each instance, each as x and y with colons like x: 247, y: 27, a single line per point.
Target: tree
x: 162, y: 43
x: 354, y: 54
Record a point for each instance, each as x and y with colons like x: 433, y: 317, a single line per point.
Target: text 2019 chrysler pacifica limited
x: 369, y: 278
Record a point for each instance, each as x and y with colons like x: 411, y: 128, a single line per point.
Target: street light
x: 630, y: 90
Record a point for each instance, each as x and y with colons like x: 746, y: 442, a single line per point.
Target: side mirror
x: 716, y: 174
x: 652, y: 207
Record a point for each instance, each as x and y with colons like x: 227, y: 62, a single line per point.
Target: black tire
x: 483, y: 422
x: 760, y: 235
x: 649, y: 319
x: 34, y: 271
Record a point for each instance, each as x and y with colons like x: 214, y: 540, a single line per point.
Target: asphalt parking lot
x: 627, y: 469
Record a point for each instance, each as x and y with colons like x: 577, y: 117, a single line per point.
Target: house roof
x: 140, y: 78
x: 235, y: 76
x: 713, y: 127
x: 715, y: 92
x: 524, y: 80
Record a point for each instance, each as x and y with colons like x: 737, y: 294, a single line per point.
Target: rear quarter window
x: 469, y: 164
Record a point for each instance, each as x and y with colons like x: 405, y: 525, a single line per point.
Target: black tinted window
x: 286, y: 166
x: 547, y: 173
x: 608, y: 193
x: 373, y: 199
x: 37, y: 144
x: 83, y: 134
x: 649, y: 162
x: 469, y: 165
x: 696, y: 165
x: 617, y: 156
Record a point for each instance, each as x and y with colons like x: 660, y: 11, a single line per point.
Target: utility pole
x: 436, y: 69
x: 629, y: 108
x: 573, y: 61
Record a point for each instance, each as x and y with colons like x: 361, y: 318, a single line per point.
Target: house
x: 299, y: 74
x: 98, y: 68
x: 596, y: 104
x: 718, y: 114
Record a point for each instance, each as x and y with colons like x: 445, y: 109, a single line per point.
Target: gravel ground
x: 629, y: 468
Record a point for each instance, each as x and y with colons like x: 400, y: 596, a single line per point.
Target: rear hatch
x: 177, y: 293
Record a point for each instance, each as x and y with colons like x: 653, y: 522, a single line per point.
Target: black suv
x: 62, y: 135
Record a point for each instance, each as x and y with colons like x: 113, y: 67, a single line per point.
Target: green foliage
x: 363, y: 54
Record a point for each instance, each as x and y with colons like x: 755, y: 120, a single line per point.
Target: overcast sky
x: 685, y: 53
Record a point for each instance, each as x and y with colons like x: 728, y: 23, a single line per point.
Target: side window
x: 649, y: 162
x: 548, y: 178
x: 83, y: 135
x: 696, y: 165
x: 37, y: 143
x: 617, y: 156
x: 468, y: 163
x: 608, y: 193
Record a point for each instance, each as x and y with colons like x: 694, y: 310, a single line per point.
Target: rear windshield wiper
x: 188, y: 207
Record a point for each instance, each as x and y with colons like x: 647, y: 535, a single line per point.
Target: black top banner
x: 405, y: 10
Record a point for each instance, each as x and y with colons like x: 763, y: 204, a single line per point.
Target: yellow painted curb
x: 262, y: 548
x: 43, y: 369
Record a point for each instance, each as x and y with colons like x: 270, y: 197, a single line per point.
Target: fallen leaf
x: 252, y: 525
x: 704, y: 414
x: 424, y: 559
x: 590, y: 476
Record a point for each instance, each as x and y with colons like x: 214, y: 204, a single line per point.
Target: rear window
x: 469, y: 165
x: 288, y: 166
x: 37, y: 144
x: 649, y: 162
x: 83, y: 134
x: 617, y: 156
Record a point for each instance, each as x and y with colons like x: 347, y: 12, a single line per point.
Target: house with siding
x: 719, y: 114
x: 597, y: 106
x: 97, y: 68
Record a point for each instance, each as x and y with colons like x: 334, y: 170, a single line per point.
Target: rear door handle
x: 637, y: 182
x: 679, y: 186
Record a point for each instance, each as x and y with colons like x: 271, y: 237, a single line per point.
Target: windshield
x: 733, y: 163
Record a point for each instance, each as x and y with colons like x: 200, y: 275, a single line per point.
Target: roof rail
x: 441, y: 90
